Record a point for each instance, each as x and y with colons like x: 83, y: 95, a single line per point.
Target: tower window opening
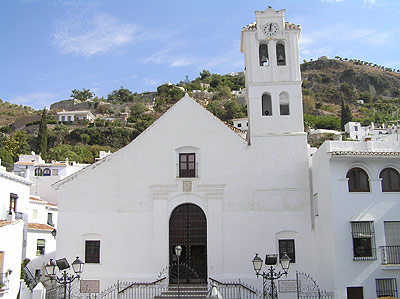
x: 280, y: 54
x: 266, y: 105
x: 263, y: 53
x: 284, y: 103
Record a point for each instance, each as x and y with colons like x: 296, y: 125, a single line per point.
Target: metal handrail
x: 233, y: 284
x: 390, y: 255
x: 134, y: 284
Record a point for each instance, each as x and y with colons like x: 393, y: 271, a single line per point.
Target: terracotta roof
x: 51, y: 204
x: 5, y: 222
x: 364, y: 153
x: 25, y: 163
x: 253, y: 26
x: 40, y: 226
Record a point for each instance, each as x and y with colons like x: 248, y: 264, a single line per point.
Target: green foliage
x: 5, y: 130
x: 227, y: 110
x: 137, y: 111
x: 41, y: 143
x: 77, y: 153
x: 121, y: 95
x: 17, y: 144
x: 322, y: 121
x: 348, y: 72
x: 167, y: 95
x: 366, y: 97
x: 6, y: 156
x: 345, y: 115
x: 204, y: 74
x: 82, y: 95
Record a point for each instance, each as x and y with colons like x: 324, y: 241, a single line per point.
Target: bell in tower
x: 273, y: 80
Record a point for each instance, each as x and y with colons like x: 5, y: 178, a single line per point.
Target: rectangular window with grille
x: 92, y: 251
x: 287, y: 246
x: 187, y: 165
x: 40, y: 246
x: 386, y: 287
x: 363, y: 240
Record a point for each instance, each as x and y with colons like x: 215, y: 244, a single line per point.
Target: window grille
x: 363, y: 240
x: 287, y: 246
x: 358, y: 180
x: 390, y: 180
x: 92, y: 251
x: 386, y: 287
x: 40, y: 247
x: 187, y: 165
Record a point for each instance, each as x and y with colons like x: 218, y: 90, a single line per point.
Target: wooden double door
x: 188, y: 229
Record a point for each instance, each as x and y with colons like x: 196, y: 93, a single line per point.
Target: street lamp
x: 271, y: 260
x: 178, y: 251
x: 65, y: 278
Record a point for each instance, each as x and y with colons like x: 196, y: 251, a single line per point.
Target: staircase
x: 193, y: 291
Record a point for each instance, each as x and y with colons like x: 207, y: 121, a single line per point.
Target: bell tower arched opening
x: 188, y: 229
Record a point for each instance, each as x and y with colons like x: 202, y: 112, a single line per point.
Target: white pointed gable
x: 186, y: 123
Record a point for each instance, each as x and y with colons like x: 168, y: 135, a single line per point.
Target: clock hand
x: 270, y: 27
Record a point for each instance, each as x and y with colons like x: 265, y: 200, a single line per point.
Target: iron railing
x: 4, y: 282
x: 390, y: 255
x: 143, y: 290
x: 235, y: 290
x: 29, y: 279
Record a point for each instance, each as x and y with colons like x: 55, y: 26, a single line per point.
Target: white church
x: 190, y: 181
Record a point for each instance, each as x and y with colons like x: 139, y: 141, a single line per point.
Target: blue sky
x: 49, y: 47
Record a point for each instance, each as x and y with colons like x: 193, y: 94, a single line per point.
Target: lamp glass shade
x: 285, y: 262
x: 257, y: 263
x: 178, y: 250
x: 77, y: 265
x: 50, y: 268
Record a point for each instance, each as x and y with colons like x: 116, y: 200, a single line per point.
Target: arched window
x: 284, y: 103
x: 280, y: 54
x: 390, y: 180
x: 263, y: 54
x: 358, y: 180
x: 38, y: 172
x: 46, y: 172
x: 266, y: 105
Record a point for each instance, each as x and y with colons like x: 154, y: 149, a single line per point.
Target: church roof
x: 253, y: 26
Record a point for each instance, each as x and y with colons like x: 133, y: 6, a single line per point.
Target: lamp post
x: 178, y: 251
x: 63, y: 266
x: 271, y: 260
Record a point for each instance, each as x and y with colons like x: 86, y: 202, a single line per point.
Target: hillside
x: 371, y: 92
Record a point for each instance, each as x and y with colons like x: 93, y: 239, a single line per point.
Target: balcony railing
x: 390, y: 255
x: 4, y: 281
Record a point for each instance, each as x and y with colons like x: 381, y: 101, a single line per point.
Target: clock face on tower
x: 270, y: 29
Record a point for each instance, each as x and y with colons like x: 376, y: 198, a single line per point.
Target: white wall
x: 249, y: 196
x: 338, y: 207
x: 11, y: 237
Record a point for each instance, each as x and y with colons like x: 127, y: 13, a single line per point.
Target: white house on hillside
x: 76, y: 116
x: 43, y: 174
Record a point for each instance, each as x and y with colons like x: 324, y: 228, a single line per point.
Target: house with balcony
x: 76, y: 117
x: 43, y: 174
x: 356, y: 217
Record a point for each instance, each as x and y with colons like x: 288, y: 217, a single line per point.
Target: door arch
x: 188, y: 228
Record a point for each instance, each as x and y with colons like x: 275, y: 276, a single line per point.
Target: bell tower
x: 273, y: 80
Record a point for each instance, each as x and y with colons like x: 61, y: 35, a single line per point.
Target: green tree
x: 17, y: 144
x: 204, y: 74
x: 41, y: 142
x: 5, y: 156
x: 345, y: 115
x: 121, y: 95
x: 82, y: 95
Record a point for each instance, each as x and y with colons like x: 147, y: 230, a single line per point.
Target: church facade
x: 189, y: 180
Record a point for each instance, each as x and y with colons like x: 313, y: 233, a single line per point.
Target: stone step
x: 198, y: 291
